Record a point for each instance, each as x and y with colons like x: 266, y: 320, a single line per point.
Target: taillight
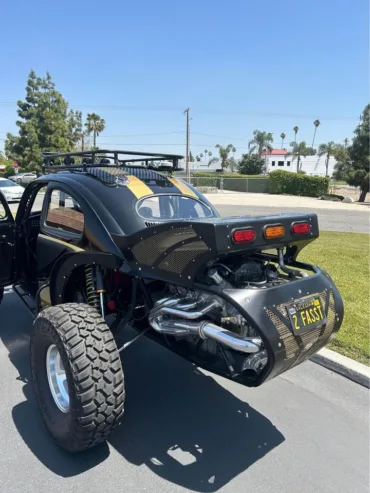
x: 244, y: 235
x: 301, y: 228
x: 273, y: 232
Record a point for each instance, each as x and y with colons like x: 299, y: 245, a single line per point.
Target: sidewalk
x: 264, y: 199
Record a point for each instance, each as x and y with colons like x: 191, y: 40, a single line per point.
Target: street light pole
x: 187, y: 143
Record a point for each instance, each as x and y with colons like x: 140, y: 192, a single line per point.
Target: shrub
x: 286, y: 182
x: 251, y: 164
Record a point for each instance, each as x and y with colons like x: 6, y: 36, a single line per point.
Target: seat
x: 145, y: 212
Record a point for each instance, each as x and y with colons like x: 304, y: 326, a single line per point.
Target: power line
x: 134, y: 135
x: 207, y: 110
x: 209, y: 146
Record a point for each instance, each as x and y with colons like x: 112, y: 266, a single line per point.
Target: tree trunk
x: 363, y: 194
x: 327, y: 165
x: 298, y: 159
x: 314, y: 135
x: 82, y: 142
x: 94, y: 138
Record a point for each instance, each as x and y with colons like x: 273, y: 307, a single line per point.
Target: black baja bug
x: 107, y: 239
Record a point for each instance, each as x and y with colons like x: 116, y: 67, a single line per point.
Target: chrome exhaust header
x: 161, y: 321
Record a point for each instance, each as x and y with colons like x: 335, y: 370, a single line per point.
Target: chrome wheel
x: 57, y: 378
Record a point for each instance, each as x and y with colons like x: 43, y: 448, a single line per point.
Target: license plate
x: 306, y: 314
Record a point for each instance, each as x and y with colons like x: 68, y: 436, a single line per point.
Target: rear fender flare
x: 68, y: 262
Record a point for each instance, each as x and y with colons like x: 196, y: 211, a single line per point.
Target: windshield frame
x: 159, y: 219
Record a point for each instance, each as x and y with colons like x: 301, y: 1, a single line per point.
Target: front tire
x: 77, y: 375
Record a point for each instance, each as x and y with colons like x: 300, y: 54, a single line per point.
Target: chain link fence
x: 251, y: 185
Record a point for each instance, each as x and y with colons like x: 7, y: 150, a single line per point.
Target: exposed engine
x: 210, y: 324
x: 243, y: 272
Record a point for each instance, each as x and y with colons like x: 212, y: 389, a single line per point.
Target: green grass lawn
x: 345, y: 256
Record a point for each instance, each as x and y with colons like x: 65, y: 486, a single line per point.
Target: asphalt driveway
x: 352, y: 221
x: 185, y: 431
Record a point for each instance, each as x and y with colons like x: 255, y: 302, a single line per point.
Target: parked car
x: 23, y: 178
x: 142, y: 247
x: 10, y: 190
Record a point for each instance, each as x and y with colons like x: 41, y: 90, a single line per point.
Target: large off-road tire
x: 77, y: 375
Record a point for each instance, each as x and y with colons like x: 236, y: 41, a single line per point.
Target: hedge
x: 286, y: 182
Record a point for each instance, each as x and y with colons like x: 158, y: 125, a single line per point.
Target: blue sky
x: 239, y: 65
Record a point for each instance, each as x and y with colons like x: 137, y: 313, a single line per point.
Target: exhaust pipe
x: 201, y: 329
x: 190, y: 315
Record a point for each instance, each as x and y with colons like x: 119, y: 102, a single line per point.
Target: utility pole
x: 187, y: 143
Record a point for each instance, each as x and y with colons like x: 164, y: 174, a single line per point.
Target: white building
x: 312, y: 165
x: 201, y: 166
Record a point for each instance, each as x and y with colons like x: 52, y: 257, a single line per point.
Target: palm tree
x: 205, y: 154
x: 330, y: 149
x: 282, y: 136
x: 213, y: 160
x: 316, y: 124
x: 295, y: 129
x: 346, y: 142
x: 233, y: 151
x: 299, y: 150
x: 224, y: 154
x: 95, y: 124
x: 261, y: 141
x: 209, y: 153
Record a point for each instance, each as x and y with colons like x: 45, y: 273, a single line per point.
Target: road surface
x: 184, y: 431
x: 329, y: 220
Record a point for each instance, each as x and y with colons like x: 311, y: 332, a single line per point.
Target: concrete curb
x: 347, y: 367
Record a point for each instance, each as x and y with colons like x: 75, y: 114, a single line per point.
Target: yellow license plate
x: 306, y: 315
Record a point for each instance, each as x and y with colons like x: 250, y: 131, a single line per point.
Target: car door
x: 7, y: 239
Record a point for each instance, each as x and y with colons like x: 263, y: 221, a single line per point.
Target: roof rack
x: 102, y: 158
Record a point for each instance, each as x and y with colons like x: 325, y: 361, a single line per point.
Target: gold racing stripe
x: 184, y: 189
x: 138, y: 187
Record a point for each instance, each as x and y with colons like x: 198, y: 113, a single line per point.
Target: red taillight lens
x: 244, y: 235
x: 301, y: 228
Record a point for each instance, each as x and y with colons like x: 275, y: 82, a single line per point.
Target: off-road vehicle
x: 106, y: 240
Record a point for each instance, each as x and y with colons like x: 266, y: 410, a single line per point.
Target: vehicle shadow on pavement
x: 186, y: 427
x: 183, y: 425
x: 16, y: 325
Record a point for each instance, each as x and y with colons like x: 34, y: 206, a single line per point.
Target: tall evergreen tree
x: 42, y: 123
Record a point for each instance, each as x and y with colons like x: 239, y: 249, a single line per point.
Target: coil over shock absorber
x: 95, y: 288
x: 91, y: 294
